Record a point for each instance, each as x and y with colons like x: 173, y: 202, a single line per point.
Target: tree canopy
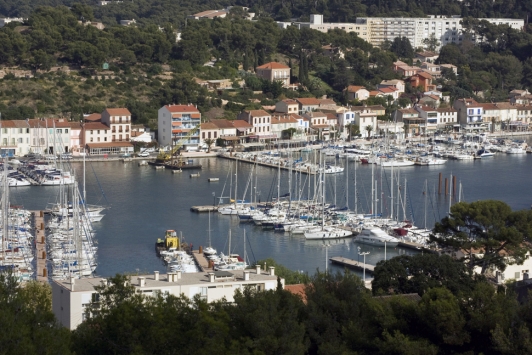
x: 485, y: 234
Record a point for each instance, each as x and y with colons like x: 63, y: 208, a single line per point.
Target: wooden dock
x: 352, y: 264
x: 275, y: 166
x: 41, y: 273
x: 201, y: 260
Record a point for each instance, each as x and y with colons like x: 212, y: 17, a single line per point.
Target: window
x: 105, y: 139
x: 92, y: 139
x: 66, y: 130
x: 91, y: 131
x: 98, y: 139
x: 59, y: 130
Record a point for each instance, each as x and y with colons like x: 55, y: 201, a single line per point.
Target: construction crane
x: 166, y: 156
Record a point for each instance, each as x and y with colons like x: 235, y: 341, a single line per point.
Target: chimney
x: 272, y: 270
x: 142, y: 281
x: 177, y: 276
x: 211, y: 276
x: 156, y: 275
x: 246, y: 275
x: 170, y: 277
x: 257, y: 267
x: 72, y: 282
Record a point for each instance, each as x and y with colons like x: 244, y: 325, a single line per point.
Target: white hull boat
x: 376, y: 236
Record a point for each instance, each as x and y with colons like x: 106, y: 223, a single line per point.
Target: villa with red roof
x: 274, y: 71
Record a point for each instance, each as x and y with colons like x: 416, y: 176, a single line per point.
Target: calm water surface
x: 144, y: 202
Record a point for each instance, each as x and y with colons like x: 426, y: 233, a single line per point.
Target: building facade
x: 74, y: 299
x: 175, y: 123
x: 274, y: 71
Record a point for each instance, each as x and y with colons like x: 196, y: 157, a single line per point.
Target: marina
x: 352, y: 264
x: 125, y: 236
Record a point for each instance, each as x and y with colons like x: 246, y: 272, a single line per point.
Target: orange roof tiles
x: 95, y: 125
x: 181, y: 108
x: 353, y: 88
x: 308, y: 101
x: 118, y: 111
x: 93, y: 117
x: 258, y: 113
x: 273, y: 65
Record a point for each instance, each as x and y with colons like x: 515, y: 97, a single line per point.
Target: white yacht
x: 327, y: 233
x: 376, y: 236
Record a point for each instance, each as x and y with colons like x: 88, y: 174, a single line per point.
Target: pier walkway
x: 41, y: 273
x: 352, y: 264
x: 276, y: 166
x: 201, y: 260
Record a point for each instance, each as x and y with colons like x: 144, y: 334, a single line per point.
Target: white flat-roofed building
x: 72, y: 298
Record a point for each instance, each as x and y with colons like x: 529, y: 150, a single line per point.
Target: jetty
x: 200, y: 209
x: 201, y: 260
x: 340, y: 260
x: 40, y: 246
x: 275, y: 166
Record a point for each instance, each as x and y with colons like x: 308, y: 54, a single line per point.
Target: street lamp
x: 213, y: 199
x: 363, y: 254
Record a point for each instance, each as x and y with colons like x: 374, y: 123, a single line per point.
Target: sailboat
x: 323, y: 231
x: 209, y: 250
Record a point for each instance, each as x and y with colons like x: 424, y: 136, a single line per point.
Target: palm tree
x: 209, y: 142
x: 369, y: 128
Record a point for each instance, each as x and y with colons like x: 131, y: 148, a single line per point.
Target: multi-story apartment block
x: 377, y: 30
x: 175, y: 123
x: 274, y: 71
x: 107, y: 133
x: 73, y: 300
x: 469, y: 112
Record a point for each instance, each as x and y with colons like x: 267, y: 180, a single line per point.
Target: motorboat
x: 484, y: 153
x: 376, y: 236
x: 396, y: 163
x: 515, y: 150
x: 328, y: 232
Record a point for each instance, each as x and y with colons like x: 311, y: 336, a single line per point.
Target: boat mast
x: 391, y: 198
x: 236, y: 179
x: 323, y: 196
x: 404, y: 203
x: 209, y: 229
x: 356, y: 193
x: 373, y: 187
x: 245, y: 257
x: 229, y: 251
x: 347, y: 182
x: 450, y: 192
x: 426, y: 192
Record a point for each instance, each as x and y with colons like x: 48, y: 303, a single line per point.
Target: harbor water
x: 144, y: 202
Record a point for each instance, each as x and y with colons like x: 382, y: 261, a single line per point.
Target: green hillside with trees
x: 64, y: 56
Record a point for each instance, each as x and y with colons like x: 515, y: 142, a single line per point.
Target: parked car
x: 144, y: 154
x: 66, y: 156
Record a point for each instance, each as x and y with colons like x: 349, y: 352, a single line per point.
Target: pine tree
x: 245, y: 61
x: 256, y: 61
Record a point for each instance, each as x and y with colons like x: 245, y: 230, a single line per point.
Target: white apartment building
x: 445, y: 29
x: 14, y: 138
x: 72, y: 299
x: 49, y: 136
x: 376, y: 30
x: 175, y: 123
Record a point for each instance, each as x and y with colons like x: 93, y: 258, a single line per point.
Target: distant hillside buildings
x: 376, y: 30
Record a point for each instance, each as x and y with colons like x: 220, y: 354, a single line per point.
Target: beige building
x: 72, y: 299
x: 359, y: 93
x: 287, y: 106
x: 274, y: 71
x: 261, y: 121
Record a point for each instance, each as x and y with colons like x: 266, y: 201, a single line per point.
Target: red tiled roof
x: 222, y: 123
x: 208, y: 125
x: 298, y: 290
x: 273, y: 65
x: 424, y: 75
x: 258, y: 113
x: 308, y: 101
x: 181, y: 108
x: 118, y: 111
x: 93, y: 117
x: 353, y: 88
x: 388, y: 89
x: 241, y: 124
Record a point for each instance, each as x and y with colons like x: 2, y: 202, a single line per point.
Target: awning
x: 177, y: 131
x: 230, y: 138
